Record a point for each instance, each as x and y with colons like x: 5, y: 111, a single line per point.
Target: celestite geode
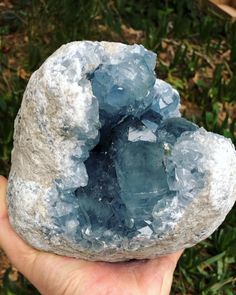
x: 104, y: 167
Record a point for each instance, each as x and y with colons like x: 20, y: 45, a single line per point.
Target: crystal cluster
x: 104, y: 167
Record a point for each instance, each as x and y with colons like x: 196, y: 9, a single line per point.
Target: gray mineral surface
x: 103, y: 165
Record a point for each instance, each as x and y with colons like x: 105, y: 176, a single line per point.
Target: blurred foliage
x: 19, y: 286
x: 196, y: 53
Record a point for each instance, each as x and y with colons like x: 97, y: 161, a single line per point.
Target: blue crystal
x: 127, y: 168
x: 166, y: 100
x: 124, y: 88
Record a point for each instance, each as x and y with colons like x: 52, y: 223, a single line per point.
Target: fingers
x: 173, y: 258
x: 20, y: 254
x: 166, y: 262
x: 160, y: 273
x: 171, y: 262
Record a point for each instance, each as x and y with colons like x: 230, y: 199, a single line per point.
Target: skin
x: 56, y: 275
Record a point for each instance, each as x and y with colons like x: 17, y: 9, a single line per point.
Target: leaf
x: 23, y: 74
x: 211, y: 260
x: 219, y: 285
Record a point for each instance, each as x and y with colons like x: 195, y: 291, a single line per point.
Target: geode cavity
x: 104, y: 168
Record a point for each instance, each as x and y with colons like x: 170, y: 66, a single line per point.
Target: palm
x: 61, y: 275
x: 57, y: 275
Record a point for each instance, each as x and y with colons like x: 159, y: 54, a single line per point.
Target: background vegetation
x: 196, y: 53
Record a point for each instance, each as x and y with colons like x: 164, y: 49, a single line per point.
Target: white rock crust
x: 59, y: 95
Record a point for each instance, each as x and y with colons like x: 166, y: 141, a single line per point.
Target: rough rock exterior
x: 104, y: 168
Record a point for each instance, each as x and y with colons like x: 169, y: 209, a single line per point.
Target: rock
x: 104, y: 168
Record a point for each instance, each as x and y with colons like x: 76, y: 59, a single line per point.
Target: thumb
x: 20, y: 254
x: 3, y: 189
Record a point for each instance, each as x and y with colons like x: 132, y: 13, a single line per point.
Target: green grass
x: 197, y: 55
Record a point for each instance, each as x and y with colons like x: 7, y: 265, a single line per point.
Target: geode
x: 103, y: 166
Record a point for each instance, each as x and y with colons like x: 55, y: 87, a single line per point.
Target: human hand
x: 56, y: 275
